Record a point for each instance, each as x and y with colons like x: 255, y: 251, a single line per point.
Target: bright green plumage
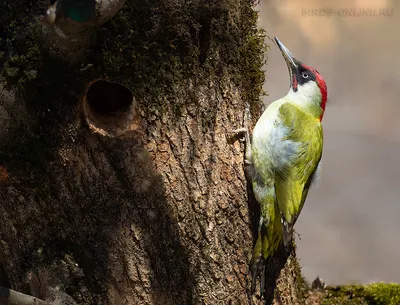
x: 293, y: 182
x: 286, y: 150
x: 283, y: 158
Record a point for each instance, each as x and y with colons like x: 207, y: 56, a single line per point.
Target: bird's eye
x: 304, y: 74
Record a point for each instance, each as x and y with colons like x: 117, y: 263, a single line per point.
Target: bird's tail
x: 268, y: 240
x: 260, y: 254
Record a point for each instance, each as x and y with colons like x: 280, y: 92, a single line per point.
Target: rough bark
x: 159, y: 213
x: 11, y: 297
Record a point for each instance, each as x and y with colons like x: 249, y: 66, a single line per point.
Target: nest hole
x: 110, y: 108
x: 105, y: 97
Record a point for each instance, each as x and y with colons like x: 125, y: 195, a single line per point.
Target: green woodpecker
x: 284, y: 157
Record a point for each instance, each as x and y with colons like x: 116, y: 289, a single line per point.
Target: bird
x: 283, y: 159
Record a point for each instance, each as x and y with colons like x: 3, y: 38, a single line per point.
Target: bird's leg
x: 247, y: 143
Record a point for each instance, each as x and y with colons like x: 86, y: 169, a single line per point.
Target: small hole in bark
x: 110, y: 108
x: 105, y: 97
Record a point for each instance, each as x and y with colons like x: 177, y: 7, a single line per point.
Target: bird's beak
x: 288, y: 56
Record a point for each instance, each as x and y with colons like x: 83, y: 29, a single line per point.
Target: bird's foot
x: 240, y: 131
x: 248, y: 156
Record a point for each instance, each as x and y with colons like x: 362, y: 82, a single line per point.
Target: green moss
x: 20, y: 54
x: 388, y: 294
x: 373, y: 294
x: 302, y: 286
x: 153, y: 47
x: 161, y: 44
x: 253, y: 59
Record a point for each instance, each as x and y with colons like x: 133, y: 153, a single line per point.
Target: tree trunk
x: 124, y: 188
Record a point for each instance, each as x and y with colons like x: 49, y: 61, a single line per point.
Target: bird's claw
x: 238, y: 132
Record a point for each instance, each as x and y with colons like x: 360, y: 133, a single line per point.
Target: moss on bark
x: 372, y: 294
x: 151, y: 46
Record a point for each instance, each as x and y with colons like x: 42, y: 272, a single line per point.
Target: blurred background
x: 350, y: 224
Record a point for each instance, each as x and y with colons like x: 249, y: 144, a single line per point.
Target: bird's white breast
x: 271, y: 151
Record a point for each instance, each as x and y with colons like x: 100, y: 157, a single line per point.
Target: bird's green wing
x: 291, y: 194
x: 293, y: 182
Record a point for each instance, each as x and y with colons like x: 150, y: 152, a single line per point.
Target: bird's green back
x: 293, y: 182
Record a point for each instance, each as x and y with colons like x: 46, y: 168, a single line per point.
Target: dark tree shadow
x: 74, y: 211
